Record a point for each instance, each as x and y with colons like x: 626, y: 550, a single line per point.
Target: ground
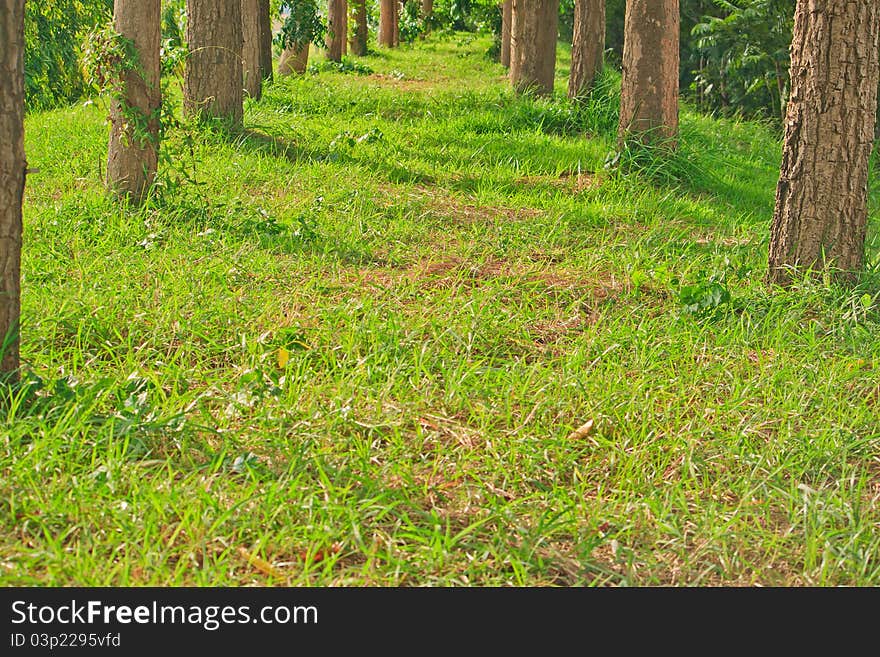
x: 352, y: 346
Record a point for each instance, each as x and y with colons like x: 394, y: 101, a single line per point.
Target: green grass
x: 459, y: 284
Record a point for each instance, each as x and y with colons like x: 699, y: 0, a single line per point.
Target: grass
x: 355, y: 348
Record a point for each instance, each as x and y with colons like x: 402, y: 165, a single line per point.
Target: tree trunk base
x: 294, y: 61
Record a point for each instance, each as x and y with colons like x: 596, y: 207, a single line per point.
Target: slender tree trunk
x: 821, y: 199
x: 358, y: 41
x: 252, y: 42
x: 398, y: 9
x: 133, y: 153
x: 12, y: 175
x: 427, y: 16
x: 265, y: 41
x: 387, y: 22
x: 534, y: 30
x: 506, y: 16
x: 649, y: 89
x: 345, y: 28
x: 213, y: 80
x: 335, y: 35
x: 587, y: 46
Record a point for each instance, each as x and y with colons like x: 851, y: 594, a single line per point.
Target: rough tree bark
x: 133, y: 153
x: 533, y: 34
x: 649, y: 89
x: 251, y: 33
x: 335, y: 35
x: 12, y: 175
x: 213, y: 80
x: 358, y: 42
x: 587, y: 46
x: 506, y: 16
x: 387, y: 22
x: 821, y: 210
x: 265, y: 41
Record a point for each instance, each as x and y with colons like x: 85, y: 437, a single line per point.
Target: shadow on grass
x: 711, y: 163
x: 256, y: 141
x: 127, y: 421
x: 297, y: 231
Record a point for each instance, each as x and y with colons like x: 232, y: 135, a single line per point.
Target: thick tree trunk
x: 534, y: 30
x: 252, y: 42
x: 294, y: 60
x: 387, y: 22
x: 587, y: 46
x: 335, y: 35
x: 265, y: 41
x: 213, y: 80
x: 12, y: 174
x: 358, y: 41
x: 506, y: 16
x: 821, y: 199
x: 649, y: 89
x: 133, y: 153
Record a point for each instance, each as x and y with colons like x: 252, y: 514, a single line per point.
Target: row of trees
x: 229, y: 55
x: 650, y: 83
x: 821, y: 212
x: 734, y: 54
x: 820, y: 217
x: 347, y: 29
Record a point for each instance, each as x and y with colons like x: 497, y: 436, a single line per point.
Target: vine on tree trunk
x: 108, y: 57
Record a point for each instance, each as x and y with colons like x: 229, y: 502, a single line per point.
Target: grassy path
x: 354, y: 347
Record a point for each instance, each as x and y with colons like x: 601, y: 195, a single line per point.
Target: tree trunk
x: 587, y: 46
x: 533, y: 32
x: 345, y: 28
x: 213, y: 80
x: 427, y: 8
x: 358, y: 42
x: 821, y: 200
x: 12, y: 174
x: 506, y: 15
x: 133, y: 153
x: 252, y: 42
x: 335, y: 35
x: 265, y: 41
x: 294, y: 60
x: 649, y: 89
x: 398, y: 10
x: 387, y: 22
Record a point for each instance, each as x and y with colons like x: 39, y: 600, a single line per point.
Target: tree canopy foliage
x: 53, y: 37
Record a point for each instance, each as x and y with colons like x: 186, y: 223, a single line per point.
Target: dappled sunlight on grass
x: 354, y: 340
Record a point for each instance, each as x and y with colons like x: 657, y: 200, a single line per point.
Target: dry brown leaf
x: 582, y: 431
x: 260, y: 564
x: 427, y: 424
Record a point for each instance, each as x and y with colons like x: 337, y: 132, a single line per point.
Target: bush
x: 302, y: 24
x: 742, y: 58
x: 411, y: 23
x: 53, y: 34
